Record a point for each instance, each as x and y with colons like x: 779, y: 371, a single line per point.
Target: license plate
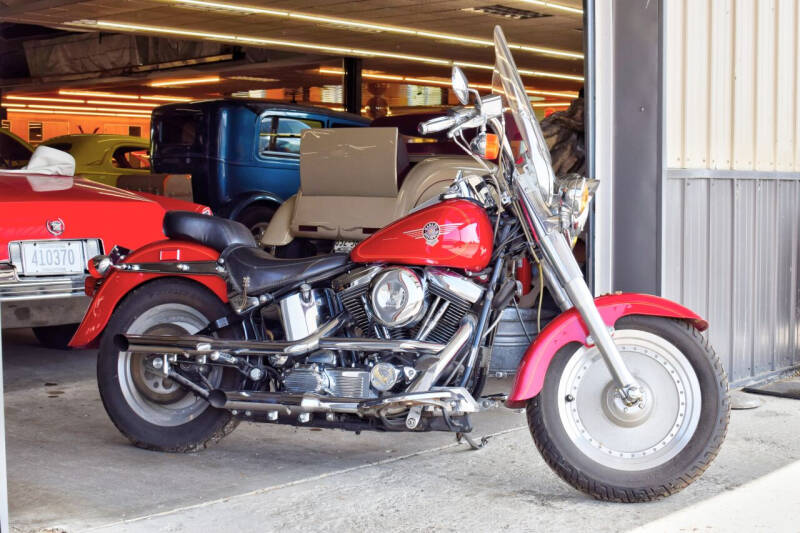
x: 43, y: 258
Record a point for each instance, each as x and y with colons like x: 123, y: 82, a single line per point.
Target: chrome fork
x: 569, y: 277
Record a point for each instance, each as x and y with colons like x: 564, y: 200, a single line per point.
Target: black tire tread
x: 224, y: 423
x: 611, y: 493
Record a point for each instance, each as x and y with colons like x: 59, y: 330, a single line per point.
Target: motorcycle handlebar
x: 455, y: 118
x: 436, y: 124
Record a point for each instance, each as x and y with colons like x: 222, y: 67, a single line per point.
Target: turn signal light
x: 492, y: 149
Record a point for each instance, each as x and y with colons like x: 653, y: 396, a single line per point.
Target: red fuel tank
x: 453, y: 233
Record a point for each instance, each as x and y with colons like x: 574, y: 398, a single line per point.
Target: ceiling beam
x: 38, y: 5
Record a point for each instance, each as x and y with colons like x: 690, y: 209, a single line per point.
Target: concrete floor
x: 70, y: 470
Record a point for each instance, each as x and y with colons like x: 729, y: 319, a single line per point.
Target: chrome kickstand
x: 460, y: 437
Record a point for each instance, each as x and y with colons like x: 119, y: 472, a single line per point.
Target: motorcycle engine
x: 404, y: 303
x: 390, y: 302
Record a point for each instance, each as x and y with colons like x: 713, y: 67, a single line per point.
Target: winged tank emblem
x: 432, y: 231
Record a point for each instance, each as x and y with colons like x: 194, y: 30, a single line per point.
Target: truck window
x: 282, y: 134
x: 181, y: 128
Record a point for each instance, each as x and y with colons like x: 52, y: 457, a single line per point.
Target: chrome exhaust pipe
x: 418, y: 393
x: 205, y: 345
x: 282, y: 402
x: 427, y: 379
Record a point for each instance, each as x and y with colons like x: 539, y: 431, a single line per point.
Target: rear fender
x: 120, y: 282
x: 568, y: 327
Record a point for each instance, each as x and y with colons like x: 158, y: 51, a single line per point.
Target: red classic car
x: 50, y: 226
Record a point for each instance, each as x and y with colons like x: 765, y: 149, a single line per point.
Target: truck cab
x: 243, y: 155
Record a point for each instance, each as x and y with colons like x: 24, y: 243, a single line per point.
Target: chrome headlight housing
x: 397, y: 297
x: 574, y: 194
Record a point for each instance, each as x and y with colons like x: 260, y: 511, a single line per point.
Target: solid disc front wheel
x: 616, y: 451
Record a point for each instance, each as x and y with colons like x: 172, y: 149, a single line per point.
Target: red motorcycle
x: 625, y: 398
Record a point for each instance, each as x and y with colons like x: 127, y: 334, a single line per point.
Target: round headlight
x: 397, y: 297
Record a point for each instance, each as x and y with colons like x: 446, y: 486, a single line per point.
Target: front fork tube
x: 578, y: 293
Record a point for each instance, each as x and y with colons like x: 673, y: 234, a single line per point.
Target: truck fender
x: 568, y: 327
x: 279, y: 231
x: 121, y: 282
x: 243, y: 202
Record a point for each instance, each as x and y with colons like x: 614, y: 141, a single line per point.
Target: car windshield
x: 536, y: 174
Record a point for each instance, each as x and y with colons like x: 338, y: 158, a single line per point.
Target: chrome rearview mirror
x: 460, y: 85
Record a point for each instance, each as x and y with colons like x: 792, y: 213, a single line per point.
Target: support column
x: 638, y: 143
x: 352, y: 84
x: 3, y: 113
x: 4, y: 527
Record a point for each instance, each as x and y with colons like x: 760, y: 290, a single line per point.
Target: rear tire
x: 631, y: 454
x: 151, y: 411
x: 55, y: 337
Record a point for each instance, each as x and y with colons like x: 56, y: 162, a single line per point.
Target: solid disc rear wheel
x: 150, y: 409
x: 620, y: 452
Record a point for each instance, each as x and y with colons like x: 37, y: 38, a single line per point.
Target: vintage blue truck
x: 243, y: 155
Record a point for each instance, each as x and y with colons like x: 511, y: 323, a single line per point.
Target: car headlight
x: 397, y: 297
x: 575, y: 194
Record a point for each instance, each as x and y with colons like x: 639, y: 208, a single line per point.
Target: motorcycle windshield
x: 535, y: 170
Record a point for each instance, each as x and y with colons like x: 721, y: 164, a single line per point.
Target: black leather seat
x: 268, y: 273
x: 214, y: 232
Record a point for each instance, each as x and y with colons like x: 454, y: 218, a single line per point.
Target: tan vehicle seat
x: 354, y: 181
x: 349, y: 182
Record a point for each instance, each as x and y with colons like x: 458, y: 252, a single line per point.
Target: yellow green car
x: 105, y: 157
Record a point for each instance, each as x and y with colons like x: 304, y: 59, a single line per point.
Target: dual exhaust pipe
x: 287, y: 403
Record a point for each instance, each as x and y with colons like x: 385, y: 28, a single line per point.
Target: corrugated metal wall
x: 731, y: 192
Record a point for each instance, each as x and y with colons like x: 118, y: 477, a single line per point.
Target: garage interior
x: 96, y: 66
x: 104, y: 72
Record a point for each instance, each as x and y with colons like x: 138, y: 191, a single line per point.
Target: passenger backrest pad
x: 349, y: 162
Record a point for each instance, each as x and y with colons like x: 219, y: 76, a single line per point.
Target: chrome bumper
x: 15, y: 288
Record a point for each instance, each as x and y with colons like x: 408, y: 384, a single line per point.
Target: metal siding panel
x: 720, y: 87
x: 744, y: 87
x: 765, y: 82
x: 732, y: 255
x: 743, y: 278
x: 696, y: 98
x: 695, y: 246
x: 674, y: 55
x: 786, y: 48
x: 766, y: 274
x: 720, y: 268
x: 785, y: 250
x: 673, y: 238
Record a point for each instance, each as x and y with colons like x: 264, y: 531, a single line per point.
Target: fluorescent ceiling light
x: 134, y: 104
x: 310, y: 46
x: 551, y: 104
x: 446, y: 83
x: 185, y: 81
x: 45, y: 99
x: 74, y: 113
x: 100, y: 94
x: 75, y: 108
x: 554, y: 5
x: 371, y: 26
x: 12, y: 104
x: 252, y: 78
x: 166, y: 98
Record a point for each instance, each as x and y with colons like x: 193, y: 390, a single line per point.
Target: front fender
x: 119, y: 283
x: 568, y: 327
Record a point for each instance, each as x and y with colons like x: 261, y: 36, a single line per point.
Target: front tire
x: 620, y: 453
x: 154, y: 412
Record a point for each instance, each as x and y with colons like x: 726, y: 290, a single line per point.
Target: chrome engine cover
x: 339, y: 382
